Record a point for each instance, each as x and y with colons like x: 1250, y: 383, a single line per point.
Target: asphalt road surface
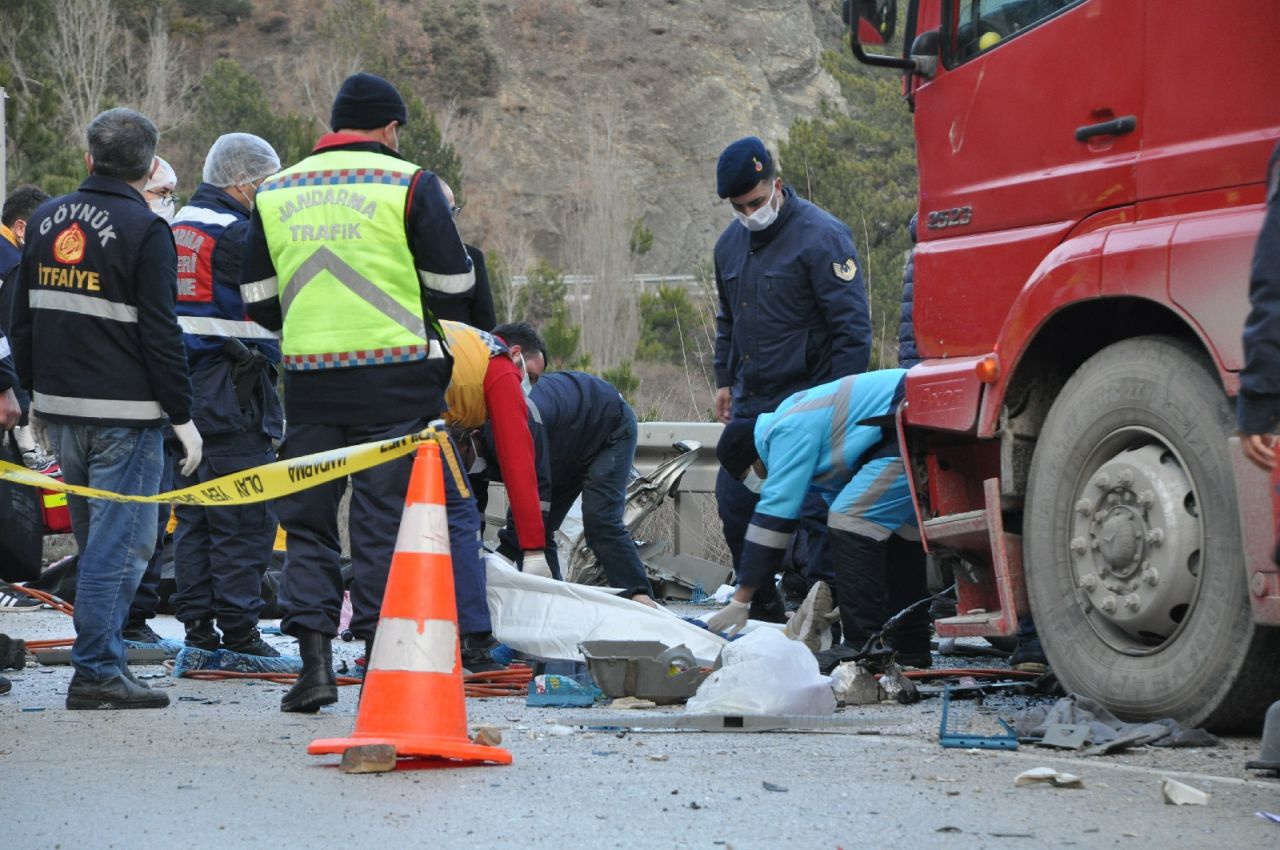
x: 222, y: 767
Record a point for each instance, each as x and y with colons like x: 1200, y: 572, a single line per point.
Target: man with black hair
x: 347, y: 252
x: 837, y: 441
x: 18, y: 207
x: 97, y: 342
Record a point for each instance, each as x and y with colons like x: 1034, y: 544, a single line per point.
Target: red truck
x: 1091, y: 187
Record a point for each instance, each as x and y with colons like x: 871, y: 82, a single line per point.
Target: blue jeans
x: 604, y: 497
x: 120, y: 536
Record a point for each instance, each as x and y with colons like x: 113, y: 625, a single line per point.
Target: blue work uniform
x: 221, y: 553
x: 837, y: 441
x: 793, y: 314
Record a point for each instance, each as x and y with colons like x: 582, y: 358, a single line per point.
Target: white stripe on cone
x: 400, y: 646
x: 424, y: 530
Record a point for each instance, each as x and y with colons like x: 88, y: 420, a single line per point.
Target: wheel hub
x: 1135, y: 546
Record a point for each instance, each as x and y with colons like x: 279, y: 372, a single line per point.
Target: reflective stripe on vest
x: 349, y: 291
x: 208, y: 326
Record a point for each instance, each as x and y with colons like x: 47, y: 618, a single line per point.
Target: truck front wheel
x: 1133, y: 545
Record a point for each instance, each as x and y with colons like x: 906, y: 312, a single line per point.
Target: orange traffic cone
x: 413, y: 696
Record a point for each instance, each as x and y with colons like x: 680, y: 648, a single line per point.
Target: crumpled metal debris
x: 1107, y: 732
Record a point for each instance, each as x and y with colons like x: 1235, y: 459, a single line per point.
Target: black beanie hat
x: 366, y: 102
x: 737, y: 447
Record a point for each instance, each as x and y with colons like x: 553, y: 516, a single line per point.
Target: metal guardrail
x: 654, y: 445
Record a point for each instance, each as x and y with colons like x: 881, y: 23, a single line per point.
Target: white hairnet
x: 238, y: 158
x: 163, y: 178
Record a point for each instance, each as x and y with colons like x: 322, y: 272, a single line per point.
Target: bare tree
x: 599, y: 235
x: 84, y: 50
x: 157, y: 77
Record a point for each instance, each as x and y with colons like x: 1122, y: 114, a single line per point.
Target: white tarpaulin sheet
x: 549, y: 618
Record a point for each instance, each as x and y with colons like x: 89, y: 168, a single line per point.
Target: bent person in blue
x: 792, y: 315
x: 221, y: 553
x: 836, y: 441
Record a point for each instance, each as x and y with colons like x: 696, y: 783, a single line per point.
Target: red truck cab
x: 1091, y: 187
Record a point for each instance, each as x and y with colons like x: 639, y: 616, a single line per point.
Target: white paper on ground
x: 765, y: 673
x: 549, y: 618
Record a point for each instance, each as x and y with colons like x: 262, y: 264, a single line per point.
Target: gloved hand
x: 39, y: 430
x: 535, y: 563
x: 730, y: 619
x: 192, y: 445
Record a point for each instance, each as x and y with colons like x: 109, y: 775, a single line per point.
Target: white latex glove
x: 39, y: 430
x: 192, y: 445
x: 535, y: 563
x: 730, y: 619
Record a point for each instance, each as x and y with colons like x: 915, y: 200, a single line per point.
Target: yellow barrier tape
x: 269, y: 481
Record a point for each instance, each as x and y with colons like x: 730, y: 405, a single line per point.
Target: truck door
x: 1030, y: 125
x: 1212, y: 118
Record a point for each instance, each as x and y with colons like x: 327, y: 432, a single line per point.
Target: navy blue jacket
x: 385, y: 393
x: 793, y: 309
x: 908, y: 356
x: 8, y: 374
x: 1258, y: 407
x: 476, y: 307
x: 94, y: 333
x: 571, y: 416
x: 210, y: 232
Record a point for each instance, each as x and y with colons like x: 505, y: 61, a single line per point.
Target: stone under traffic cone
x: 413, y: 697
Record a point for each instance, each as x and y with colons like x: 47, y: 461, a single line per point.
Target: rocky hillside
x: 638, y: 96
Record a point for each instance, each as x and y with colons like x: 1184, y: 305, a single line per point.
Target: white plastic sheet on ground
x: 549, y: 618
x: 766, y: 673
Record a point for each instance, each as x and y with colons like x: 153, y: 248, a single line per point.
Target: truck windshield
x: 982, y: 24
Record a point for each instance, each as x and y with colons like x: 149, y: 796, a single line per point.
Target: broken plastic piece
x: 1048, y: 776
x: 1180, y: 794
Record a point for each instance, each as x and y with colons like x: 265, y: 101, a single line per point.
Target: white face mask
x: 753, y: 482
x: 761, y: 218
x: 525, y: 383
x: 162, y: 207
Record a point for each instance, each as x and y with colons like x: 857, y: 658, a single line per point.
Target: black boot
x: 476, y: 654
x: 248, y: 643
x: 201, y: 635
x: 121, y: 692
x: 316, y: 685
x: 13, y: 653
x: 138, y: 631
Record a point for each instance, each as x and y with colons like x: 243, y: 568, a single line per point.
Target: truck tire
x: 1133, y: 545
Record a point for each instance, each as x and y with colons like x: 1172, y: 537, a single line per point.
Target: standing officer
x: 346, y: 252
x: 18, y: 207
x: 477, y: 308
x: 836, y: 441
x: 1258, y: 407
x: 793, y: 314
x: 97, y: 342
x: 221, y: 553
